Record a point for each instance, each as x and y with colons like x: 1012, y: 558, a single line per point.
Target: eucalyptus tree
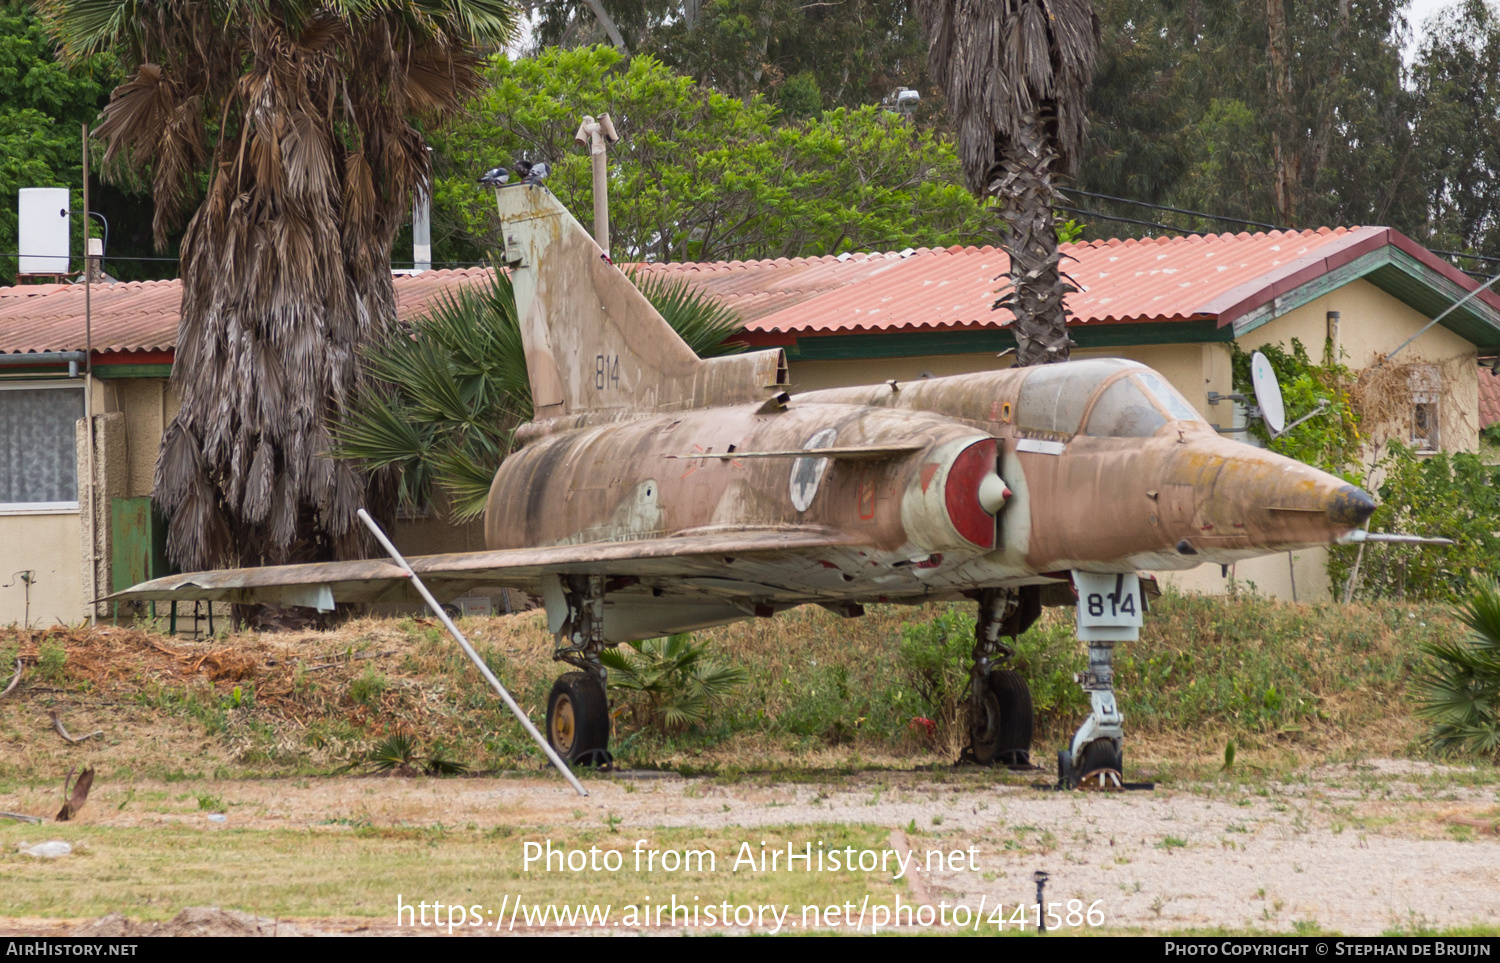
x: 1016, y: 75
x: 288, y: 134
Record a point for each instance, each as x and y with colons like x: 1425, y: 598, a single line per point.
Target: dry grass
x: 1290, y: 684
x: 358, y: 870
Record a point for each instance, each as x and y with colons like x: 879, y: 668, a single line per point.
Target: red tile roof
x: 1219, y: 276
x: 132, y: 316
x: 1489, y: 398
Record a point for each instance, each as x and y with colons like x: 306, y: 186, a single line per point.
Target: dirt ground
x: 1375, y: 847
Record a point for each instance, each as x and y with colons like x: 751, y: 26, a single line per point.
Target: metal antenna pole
x: 597, y: 135
x: 463, y: 643
x: 1450, y: 309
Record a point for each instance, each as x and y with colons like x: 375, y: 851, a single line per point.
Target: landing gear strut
x: 1095, y: 760
x: 1110, y: 609
x: 1000, y: 712
x: 578, y: 708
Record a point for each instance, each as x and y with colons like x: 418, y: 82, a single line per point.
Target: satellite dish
x: 1267, y: 393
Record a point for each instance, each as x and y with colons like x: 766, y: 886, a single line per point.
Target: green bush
x: 1460, y: 687
x: 934, y: 657
x: 1455, y: 496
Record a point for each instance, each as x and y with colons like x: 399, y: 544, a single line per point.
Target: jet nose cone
x: 1350, y: 506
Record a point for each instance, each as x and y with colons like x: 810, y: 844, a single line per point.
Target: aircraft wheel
x: 1100, y: 766
x: 578, y: 719
x: 1002, y: 731
x: 984, y: 729
x: 1017, y: 720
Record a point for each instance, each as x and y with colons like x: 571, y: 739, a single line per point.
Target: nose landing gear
x: 1095, y: 760
x: 1110, y: 607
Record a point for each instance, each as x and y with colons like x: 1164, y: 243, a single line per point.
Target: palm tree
x: 441, y: 400
x: 1016, y: 75
x: 291, y: 132
x: 1459, y: 689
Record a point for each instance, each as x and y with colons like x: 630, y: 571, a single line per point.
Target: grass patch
x: 1284, y: 682
x: 358, y: 871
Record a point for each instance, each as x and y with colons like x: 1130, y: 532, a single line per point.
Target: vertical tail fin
x: 593, y: 341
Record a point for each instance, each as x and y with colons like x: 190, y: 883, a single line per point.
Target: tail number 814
x: 606, y: 371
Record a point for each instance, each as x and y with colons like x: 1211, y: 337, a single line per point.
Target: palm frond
x: 705, y: 323
x: 1459, y: 688
x: 671, y: 680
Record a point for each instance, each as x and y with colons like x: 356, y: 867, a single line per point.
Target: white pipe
x: 489, y: 676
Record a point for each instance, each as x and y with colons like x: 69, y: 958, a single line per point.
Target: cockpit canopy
x: 1133, y: 401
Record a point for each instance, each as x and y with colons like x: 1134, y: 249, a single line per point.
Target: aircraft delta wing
x: 656, y: 492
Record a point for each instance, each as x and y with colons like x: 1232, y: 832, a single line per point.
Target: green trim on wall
x: 110, y: 372
x: 849, y: 347
x: 1404, y: 278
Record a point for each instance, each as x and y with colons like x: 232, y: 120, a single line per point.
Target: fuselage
x: 1105, y: 468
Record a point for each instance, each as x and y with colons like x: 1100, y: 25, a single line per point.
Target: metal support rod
x: 88, y: 392
x: 463, y: 643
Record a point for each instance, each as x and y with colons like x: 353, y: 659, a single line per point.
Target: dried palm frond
x: 306, y: 119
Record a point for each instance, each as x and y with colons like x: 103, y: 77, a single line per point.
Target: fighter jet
x: 656, y: 492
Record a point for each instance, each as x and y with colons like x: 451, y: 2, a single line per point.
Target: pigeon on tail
x: 531, y: 173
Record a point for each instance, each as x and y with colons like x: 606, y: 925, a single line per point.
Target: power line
x: 1177, y: 210
x: 1230, y: 220
x: 1127, y: 220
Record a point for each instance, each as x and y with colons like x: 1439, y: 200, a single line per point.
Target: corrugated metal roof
x: 1221, y: 277
x: 1489, y: 398
x: 756, y: 289
x: 142, y: 315
x: 1155, y: 279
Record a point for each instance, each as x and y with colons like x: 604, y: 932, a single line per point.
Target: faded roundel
x: 807, y: 473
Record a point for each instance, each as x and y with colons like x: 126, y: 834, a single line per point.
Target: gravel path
x: 1360, y: 849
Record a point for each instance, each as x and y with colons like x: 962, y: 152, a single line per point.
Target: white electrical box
x: 44, y: 233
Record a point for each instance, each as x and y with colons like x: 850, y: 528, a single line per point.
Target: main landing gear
x: 1001, y: 719
x: 578, y: 708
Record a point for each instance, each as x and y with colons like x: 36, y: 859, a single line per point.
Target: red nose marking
x: 928, y: 470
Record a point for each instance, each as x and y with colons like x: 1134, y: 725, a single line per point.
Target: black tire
x: 984, y: 729
x: 1002, y: 732
x: 578, y: 719
x: 1017, y: 718
x: 1097, y: 755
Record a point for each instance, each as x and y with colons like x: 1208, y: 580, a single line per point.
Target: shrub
x: 366, y: 689
x: 51, y: 662
x: 934, y: 657
x: 669, y: 682
x: 933, y: 661
x: 1460, y: 689
x: 1456, y: 496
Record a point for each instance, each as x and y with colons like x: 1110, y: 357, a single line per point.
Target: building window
x: 1426, y: 388
x: 38, y: 454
